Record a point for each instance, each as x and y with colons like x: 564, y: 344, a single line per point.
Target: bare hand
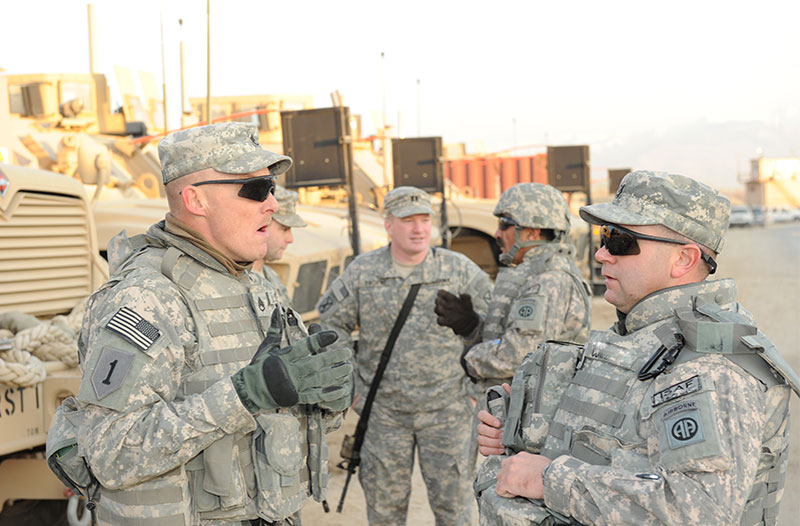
x: 489, y: 435
x: 521, y: 475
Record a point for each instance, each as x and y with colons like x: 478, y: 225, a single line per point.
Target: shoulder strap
x: 361, y: 428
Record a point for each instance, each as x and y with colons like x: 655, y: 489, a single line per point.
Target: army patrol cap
x: 680, y: 203
x: 287, y: 208
x: 227, y: 147
x: 534, y: 205
x: 406, y: 201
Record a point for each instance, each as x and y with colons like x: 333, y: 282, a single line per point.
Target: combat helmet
x: 533, y: 205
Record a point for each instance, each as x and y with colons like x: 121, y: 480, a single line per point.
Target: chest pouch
x: 536, y: 390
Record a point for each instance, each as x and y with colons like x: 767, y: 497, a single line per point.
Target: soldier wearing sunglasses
x: 676, y: 415
x: 203, y: 401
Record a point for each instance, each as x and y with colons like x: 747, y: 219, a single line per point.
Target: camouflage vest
x: 598, y: 417
x: 511, y: 281
x: 241, y: 475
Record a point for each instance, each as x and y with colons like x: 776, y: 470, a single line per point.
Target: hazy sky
x: 626, y: 77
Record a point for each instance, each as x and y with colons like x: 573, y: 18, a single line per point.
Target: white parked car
x: 741, y: 215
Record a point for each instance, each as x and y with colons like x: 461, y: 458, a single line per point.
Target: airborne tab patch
x: 128, y: 324
x: 692, y: 385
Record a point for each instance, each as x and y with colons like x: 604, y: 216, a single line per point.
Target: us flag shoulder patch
x: 133, y: 328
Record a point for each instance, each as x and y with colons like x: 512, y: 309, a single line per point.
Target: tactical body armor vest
x: 241, y: 475
x: 605, y: 404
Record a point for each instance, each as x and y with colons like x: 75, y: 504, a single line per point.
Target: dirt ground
x: 766, y: 265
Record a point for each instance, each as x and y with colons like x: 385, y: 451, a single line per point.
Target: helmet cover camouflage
x: 287, y: 208
x: 405, y: 201
x: 680, y: 203
x: 534, y: 205
x: 227, y: 147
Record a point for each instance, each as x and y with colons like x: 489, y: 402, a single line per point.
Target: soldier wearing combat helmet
x: 676, y: 415
x: 539, y: 296
x: 202, y: 401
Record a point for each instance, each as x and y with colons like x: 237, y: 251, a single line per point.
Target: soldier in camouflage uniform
x: 422, y: 406
x: 676, y: 415
x: 280, y: 237
x: 540, y: 295
x: 187, y: 414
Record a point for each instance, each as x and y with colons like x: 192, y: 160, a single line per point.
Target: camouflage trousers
x: 442, y: 439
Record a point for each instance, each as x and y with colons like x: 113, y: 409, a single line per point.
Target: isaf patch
x: 683, y: 424
x: 110, y: 371
x: 692, y: 385
x: 131, y: 326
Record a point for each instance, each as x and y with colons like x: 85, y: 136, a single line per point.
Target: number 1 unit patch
x: 110, y: 371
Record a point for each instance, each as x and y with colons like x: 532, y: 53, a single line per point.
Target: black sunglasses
x: 253, y: 188
x: 620, y: 241
x: 504, y: 223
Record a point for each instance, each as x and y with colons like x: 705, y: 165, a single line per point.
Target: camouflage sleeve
x: 479, y: 287
x: 702, y: 455
x: 136, y: 424
x: 338, y: 307
x: 539, y: 313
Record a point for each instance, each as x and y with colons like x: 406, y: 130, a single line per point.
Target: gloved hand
x: 456, y: 312
x: 297, y: 374
x: 340, y: 404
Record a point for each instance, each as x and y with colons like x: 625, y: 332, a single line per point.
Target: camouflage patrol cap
x: 534, y: 205
x: 406, y: 201
x: 287, y: 208
x: 680, y: 203
x: 227, y: 147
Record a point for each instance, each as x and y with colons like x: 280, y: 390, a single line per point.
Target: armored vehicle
x: 49, y: 264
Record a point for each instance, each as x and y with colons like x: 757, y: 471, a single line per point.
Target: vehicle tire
x: 35, y: 513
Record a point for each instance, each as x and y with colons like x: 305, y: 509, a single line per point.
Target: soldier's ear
x: 194, y: 200
x: 687, y: 260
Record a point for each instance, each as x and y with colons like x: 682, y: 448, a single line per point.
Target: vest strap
x: 118, y: 520
x: 166, y: 495
x: 222, y: 302
x: 220, y: 356
x: 589, y: 410
x: 232, y: 327
x: 610, y: 386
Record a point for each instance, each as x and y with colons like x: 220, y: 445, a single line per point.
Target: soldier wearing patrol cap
x: 540, y: 295
x: 422, y: 407
x: 202, y: 403
x: 280, y: 237
x: 676, y: 415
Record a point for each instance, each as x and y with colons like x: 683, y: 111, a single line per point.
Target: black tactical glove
x: 340, y: 404
x: 297, y: 374
x: 456, y: 312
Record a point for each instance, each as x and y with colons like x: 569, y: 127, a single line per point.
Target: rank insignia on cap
x: 133, y: 328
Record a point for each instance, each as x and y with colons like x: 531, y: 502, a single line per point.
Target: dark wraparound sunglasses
x: 253, y: 188
x: 619, y: 241
x: 504, y: 223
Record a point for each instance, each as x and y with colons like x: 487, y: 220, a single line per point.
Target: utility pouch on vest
x: 277, y: 460
x: 536, y: 391
x: 63, y: 453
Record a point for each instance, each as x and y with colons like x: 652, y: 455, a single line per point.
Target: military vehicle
x: 49, y: 263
